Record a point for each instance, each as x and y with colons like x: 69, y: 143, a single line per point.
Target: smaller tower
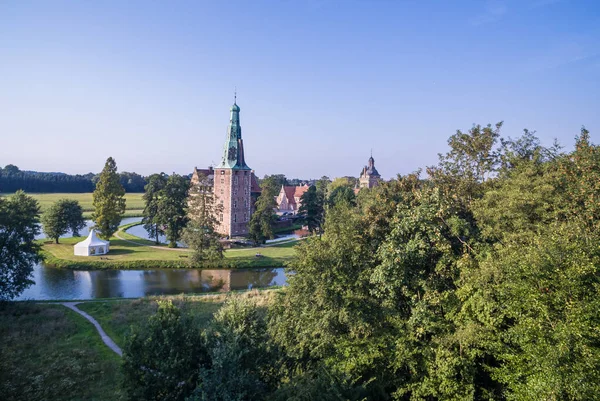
x: 369, y: 177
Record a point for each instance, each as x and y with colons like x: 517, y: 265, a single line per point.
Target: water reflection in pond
x: 53, y: 284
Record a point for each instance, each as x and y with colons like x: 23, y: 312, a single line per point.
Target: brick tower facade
x: 233, y: 181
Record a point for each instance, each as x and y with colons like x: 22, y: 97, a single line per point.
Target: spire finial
x: 235, y: 95
x: 371, y: 152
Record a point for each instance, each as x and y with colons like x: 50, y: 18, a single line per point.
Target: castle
x: 369, y: 176
x: 234, y: 184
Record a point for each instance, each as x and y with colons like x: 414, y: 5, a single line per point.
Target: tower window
x: 235, y: 204
x: 235, y: 180
x: 222, y: 181
x: 235, y: 218
x: 221, y: 218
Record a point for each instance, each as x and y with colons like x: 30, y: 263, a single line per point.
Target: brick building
x: 234, y: 184
x: 288, y: 199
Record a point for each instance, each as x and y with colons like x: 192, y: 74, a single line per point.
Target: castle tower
x: 369, y: 177
x: 233, y: 180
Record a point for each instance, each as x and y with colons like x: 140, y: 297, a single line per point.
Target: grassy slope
x: 49, y: 353
x: 134, y: 205
x: 123, y: 253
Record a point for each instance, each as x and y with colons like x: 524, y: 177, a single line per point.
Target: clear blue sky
x: 319, y: 83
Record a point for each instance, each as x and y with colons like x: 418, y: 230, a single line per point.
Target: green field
x: 134, y: 202
x: 49, y: 352
x: 127, y: 255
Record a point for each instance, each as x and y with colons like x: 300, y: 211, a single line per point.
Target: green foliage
x: 63, y: 216
x: 19, y: 218
x: 260, y: 227
x: 241, y: 355
x: 161, y: 359
x: 312, y: 209
x: 172, y: 208
x: 200, y: 233
x: 341, y: 194
x: 153, y: 191
x: 109, y: 200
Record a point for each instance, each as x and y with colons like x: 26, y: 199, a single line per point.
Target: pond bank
x: 131, y: 252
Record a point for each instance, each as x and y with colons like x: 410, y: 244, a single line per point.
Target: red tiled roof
x: 300, y: 191
x: 254, y: 187
x: 289, y: 193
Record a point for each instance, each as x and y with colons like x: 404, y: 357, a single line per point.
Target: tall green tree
x: 19, y: 224
x: 200, y: 234
x: 172, y: 207
x: 312, y: 209
x: 63, y: 216
x: 260, y: 227
x: 151, y: 197
x: 109, y: 200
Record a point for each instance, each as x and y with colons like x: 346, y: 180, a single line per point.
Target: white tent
x: 91, y: 246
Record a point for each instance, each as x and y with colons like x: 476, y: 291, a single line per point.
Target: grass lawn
x: 134, y: 202
x: 117, y: 316
x: 49, y: 352
x: 125, y: 254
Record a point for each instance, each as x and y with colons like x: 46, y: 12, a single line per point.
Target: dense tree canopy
x: 63, y: 216
x: 19, y: 224
x: 152, y: 195
x: 260, y: 227
x: 477, y: 281
x: 13, y: 179
x: 109, y: 200
x: 172, y: 210
x: 200, y: 234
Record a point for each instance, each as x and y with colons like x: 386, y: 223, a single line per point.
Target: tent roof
x: 92, y: 240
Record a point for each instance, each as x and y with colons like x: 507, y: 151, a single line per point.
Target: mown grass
x: 49, y: 352
x: 134, y: 202
x: 127, y: 255
x: 117, y: 317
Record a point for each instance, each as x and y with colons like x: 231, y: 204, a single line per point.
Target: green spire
x: 233, y: 151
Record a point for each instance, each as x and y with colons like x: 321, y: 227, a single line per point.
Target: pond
x: 54, y: 284
x: 89, y: 223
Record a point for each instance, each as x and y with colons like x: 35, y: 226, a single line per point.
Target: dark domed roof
x: 235, y: 107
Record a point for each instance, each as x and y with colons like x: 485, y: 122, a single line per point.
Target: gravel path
x: 107, y: 340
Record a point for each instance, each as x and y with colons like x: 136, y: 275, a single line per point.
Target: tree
x: 19, y: 224
x: 172, y: 208
x: 161, y: 359
x: 341, y: 194
x: 260, y: 227
x: 200, y: 233
x: 62, y: 216
x: 109, y: 200
x: 242, y: 355
x: 322, y: 184
x: 154, y: 189
x: 311, y: 209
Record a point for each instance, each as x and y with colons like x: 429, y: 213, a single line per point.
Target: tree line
x: 13, y: 179
x: 477, y: 279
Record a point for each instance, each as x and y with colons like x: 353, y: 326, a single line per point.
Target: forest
x: 477, y: 279
x: 13, y: 179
